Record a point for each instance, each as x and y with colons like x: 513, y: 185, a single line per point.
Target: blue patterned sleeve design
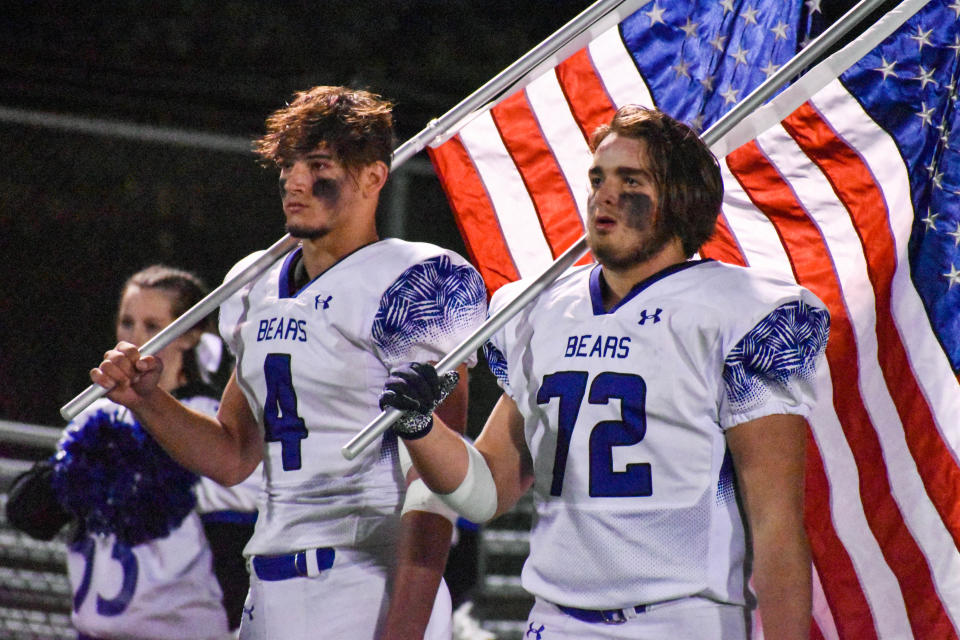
x: 433, y: 305
x: 780, y: 350
x: 496, y: 362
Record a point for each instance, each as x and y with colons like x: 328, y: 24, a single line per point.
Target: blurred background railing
x: 35, y: 596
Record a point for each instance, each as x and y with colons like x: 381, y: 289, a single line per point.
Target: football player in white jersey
x: 341, y: 549
x: 655, y: 405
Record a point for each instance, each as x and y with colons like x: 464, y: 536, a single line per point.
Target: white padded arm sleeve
x: 420, y: 498
x: 476, y: 497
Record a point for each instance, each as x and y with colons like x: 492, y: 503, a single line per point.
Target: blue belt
x: 608, y: 616
x: 292, y: 565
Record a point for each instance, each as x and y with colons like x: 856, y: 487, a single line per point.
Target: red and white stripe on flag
x: 516, y: 175
x: 822, y: 199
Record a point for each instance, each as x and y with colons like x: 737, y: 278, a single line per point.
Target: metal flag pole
x: 190, y: 318
x: 372, y: 431
x: 596, y: 16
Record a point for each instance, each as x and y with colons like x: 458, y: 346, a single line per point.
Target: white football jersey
x: 312, y: 364
x: 625, y: 412
x: 164, y: 589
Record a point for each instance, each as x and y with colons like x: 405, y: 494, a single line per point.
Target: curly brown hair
x: 686, y: 173
x: 357, y: 125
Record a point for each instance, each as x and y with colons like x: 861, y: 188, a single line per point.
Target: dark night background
x: 80, y: 211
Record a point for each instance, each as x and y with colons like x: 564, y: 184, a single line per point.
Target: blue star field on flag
x: 701, y: 58
x: 908, y: 85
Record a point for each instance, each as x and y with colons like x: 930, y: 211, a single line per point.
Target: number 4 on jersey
x: 281, y: 422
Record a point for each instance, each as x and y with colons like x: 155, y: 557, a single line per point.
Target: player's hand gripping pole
x: 188, y: 320
x: 712, y: 136
x: 461, y: 352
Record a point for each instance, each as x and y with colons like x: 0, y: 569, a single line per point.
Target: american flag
x: 855, y: 195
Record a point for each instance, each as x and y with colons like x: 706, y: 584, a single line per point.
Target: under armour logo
x: 534, y: 633
x: 655, y: 316
x: 319, y: 300
x: 249, y: 611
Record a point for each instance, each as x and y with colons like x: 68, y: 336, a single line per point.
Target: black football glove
x: 417, y: 390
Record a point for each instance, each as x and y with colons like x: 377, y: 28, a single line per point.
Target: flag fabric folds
x: 855, y: 195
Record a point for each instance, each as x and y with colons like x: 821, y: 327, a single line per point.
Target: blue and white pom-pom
x: 115, y: 478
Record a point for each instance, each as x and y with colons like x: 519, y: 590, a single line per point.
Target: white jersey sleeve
x: 232, y: 309
x: 496, y: 346
x: 771, y: 369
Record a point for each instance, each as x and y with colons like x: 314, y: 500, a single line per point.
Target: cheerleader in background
x: 154, y: 552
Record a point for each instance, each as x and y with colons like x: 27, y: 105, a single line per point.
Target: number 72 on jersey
x: 570, y: 388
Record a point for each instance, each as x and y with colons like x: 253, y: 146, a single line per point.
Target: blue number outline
x: 87, y: 549
x: 281, y: 421
x: 123, y: 554
x: 636, y: 479
x: 570, y: 387
x: 115, y: 606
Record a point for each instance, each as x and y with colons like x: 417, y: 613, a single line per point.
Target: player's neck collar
x: 294, y: 275
x: 598, y: 285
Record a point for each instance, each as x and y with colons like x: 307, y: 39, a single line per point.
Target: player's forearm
x: 440, y: 458
x: 421, y: 559
x: 197, y: 441
x: 782, y: 580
